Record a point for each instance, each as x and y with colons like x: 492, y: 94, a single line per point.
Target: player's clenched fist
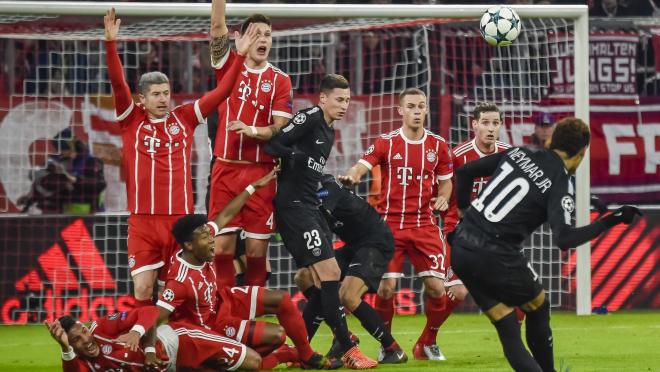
x: 348, y: 180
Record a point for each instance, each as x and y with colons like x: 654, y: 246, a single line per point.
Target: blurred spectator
x: 543, y: 128
x: 71, y: 182
x: 622, y: 8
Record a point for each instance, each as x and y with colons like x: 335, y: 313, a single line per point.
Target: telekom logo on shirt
x: 404, y: 174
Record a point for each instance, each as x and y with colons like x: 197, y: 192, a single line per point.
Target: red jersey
x: 409, y: 174
x: 461, y: 154
x: 258, y: 96
x: 157, y: 152
x: 114, y: 356
x: 190, y: 293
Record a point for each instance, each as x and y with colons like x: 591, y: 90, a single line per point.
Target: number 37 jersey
x: 528, y: 188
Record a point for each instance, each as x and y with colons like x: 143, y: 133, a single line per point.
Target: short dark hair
x: 571, y: 135
x: 255, y: 18
x: 67, y: 322
x: 183, y: 228
x: 410, y: 92
x: 485, y: 107
x: 333, y: 81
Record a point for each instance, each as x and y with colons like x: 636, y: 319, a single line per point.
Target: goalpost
x: 55, y: 77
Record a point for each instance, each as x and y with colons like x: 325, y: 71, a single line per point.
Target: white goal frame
x: 578, y: 13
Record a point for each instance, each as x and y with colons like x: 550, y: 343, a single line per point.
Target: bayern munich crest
x: 266, y: 86
x: 230, y: 331
x: 174, y: 129
x: 106, y: 349
x: 131, y: 261
x: 431, y: 156
x: 168, y: 295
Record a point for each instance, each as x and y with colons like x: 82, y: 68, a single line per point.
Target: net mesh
x: 55, y: 78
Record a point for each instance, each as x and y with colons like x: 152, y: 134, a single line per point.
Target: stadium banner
x: 52, y: 266
x: 612, y: 66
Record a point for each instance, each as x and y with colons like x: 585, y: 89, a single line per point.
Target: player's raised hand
x: 245, y: 41
x: 58, y: 333
x: 130, y: 339
x: 263, y: 181
x: 347, y: 180
x: 111, y: 24
x: 439, y: 204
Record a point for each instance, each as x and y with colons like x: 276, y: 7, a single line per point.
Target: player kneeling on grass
x: 526, y: 188
x: 118, y: 342
x: 191, y: 295
x: 363, y: 261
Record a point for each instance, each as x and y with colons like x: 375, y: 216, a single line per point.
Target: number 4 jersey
x: 528, y: 188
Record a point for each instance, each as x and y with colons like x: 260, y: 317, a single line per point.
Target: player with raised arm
x: 157, y: 143
x: 363, y: 259
x: 259, y: 105
x: 304, y: 146
x: 414, y: 164
x: 526, y: 188
x: 191, y: 294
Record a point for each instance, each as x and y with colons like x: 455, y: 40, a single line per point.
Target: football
x: 500, y: 25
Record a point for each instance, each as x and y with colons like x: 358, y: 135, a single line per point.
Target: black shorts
x: 305, y: 234
x: 367, y: 258
x: 492, y: 271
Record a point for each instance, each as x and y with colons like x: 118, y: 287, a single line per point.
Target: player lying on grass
x: 526, y: 188
x: 118, y: 342
x: 157, y: 143
x: 363, y: 260
x: 191, y: 295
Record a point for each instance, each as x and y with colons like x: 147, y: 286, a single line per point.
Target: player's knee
x: 459, y: 292
x: 279, y: 336
x: 434, y: 287
x: 252, y: 361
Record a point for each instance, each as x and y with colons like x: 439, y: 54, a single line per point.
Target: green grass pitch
x: 622, y: 341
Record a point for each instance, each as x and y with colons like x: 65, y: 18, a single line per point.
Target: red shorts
x: 151, y: 243
x: 424, y: 246
x: 230, y: 179
x: 239, y: 307
x: 197, y: 344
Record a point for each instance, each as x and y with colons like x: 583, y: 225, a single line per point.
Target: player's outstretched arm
x: 236, y: 204
x: 212, y: 99
x: 219, y: 46
x: 122, y: 93
x: 567, y: 237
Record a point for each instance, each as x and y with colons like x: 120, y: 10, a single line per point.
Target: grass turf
x: 622, y: 341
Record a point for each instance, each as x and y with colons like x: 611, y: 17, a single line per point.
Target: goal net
x: 55, y: 94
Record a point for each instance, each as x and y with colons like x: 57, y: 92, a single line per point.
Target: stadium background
x: 50, y: 265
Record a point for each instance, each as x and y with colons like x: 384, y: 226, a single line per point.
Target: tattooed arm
x: 219, y: 32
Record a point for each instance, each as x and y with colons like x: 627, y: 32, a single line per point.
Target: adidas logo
x: 397, y: 156
x: 87, y: 289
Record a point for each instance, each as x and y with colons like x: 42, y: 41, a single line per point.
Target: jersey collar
x: 188, y: 264
x: 255, y: 70
x: 479, y: 152
x: 409, y: 141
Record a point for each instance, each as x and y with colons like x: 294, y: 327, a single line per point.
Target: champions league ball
x: 500, y: 25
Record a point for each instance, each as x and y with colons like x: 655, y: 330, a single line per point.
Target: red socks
x: 450, y: 305
x: 256, y: 271
x: 224, y: 270
x: 385, y: 308
x: 294, y: 326
x: 433, y: 308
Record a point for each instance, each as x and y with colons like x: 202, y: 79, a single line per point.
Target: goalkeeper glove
x: 625, y: 214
